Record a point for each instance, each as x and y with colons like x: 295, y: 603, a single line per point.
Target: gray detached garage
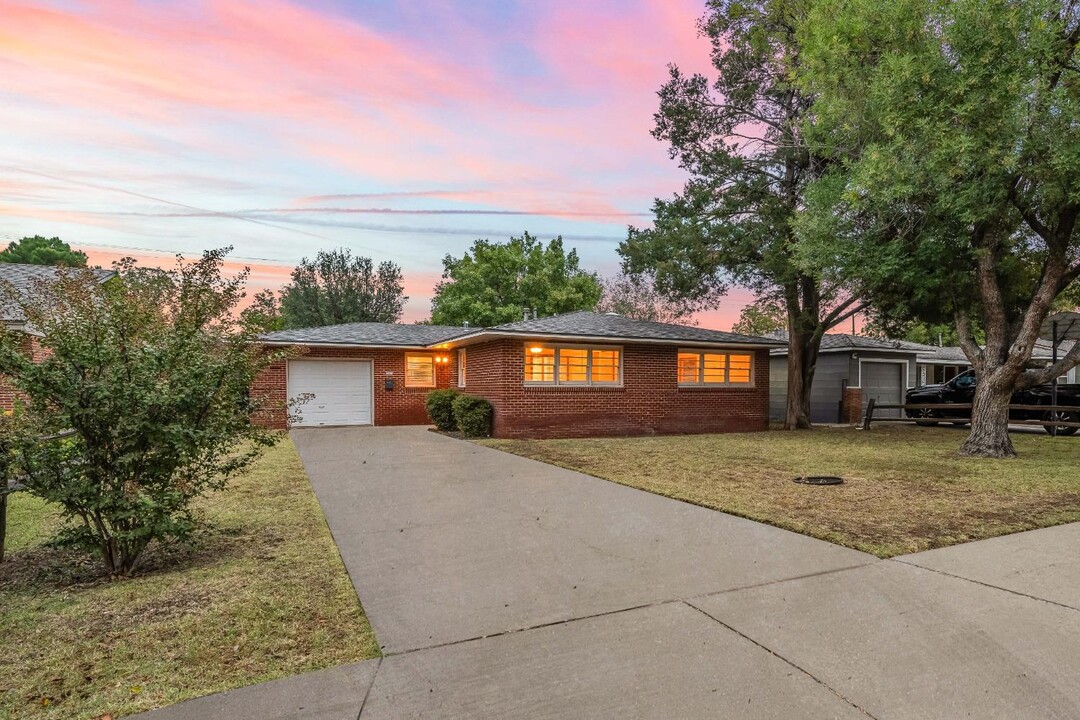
x: 882, y: 369
x: 341, y: 391
x: 885, y: 381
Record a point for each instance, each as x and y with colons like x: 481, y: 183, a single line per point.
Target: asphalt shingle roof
x: 1041, y: 351
x: 840, y: 342
x: 22, y: 278
x: 583, y: 324
x: 367, y: 333
x: 943, y: 354
x: 618, y: 327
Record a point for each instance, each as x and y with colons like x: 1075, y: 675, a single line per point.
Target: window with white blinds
x: 419, y: 370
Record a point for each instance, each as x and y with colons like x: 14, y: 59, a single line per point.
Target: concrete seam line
x: 371, y: 684
x: 775, y: 654
x: 655, y: 603
x: 779, y: 581
x: 986, y: 584
x: 553, y: 623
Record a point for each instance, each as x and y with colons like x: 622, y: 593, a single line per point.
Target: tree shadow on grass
x: 51, y: 568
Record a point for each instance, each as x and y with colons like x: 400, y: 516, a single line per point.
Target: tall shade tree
x: 955, y: 186
x: 761, y: 318
x: 142, y: 384
x: 739, y: 137
x: 634, y: 296
x: 337, y: 288
x: 493, y: 283
x: 38, y: 250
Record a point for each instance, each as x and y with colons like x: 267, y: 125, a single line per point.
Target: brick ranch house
x: 574, y: 375
x: 23, y: 278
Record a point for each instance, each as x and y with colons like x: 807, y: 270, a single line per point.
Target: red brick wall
x: 400, y: 406
x: 32, y: 346
x: 851, y: 406
x: 649, y: 402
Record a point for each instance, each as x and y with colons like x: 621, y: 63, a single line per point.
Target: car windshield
x: 965, y: 380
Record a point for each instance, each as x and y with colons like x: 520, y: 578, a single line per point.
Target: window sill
x: 699, y: 388
x: 574, y: 388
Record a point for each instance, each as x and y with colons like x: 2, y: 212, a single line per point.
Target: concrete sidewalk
x: 505, y: 588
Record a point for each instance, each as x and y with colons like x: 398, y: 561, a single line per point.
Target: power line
x: 217, y: 213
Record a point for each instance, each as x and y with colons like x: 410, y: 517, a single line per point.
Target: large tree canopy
x: 634, y: 296
x: 38, y: 250
x: 740, y: 139
x: 337, y: 288
x: 954, y: 185
x: 761, y: 318
x: 493, y: 283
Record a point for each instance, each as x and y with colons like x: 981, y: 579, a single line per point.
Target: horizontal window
x: 572, y: 365
x: 712, y: 368
x: 419, y: 370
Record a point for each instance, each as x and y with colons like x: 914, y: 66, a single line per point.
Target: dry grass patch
x: 905, y: 488
x: 261, y: 595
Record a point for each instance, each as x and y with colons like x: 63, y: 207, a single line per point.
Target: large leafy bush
x: 151, y: 371
x: 473, y: 415
x: 440, y: 408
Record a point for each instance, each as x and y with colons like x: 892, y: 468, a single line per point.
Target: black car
x: 961, y: 391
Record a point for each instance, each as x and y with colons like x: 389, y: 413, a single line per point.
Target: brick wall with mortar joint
x: 33, y: 347
x: 649, y: 402
x: 400, y: 406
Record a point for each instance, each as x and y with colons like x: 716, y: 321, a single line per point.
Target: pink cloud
x: 53, y: 215
x: 371, y: 94
x: 419, y: 286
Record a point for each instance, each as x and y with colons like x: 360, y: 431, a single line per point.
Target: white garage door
x: 341, y: 390
x: 885, y: 383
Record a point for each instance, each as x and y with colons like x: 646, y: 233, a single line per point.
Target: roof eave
x: 783, y: 351
x: 483, y: 336
x: 362, y: 346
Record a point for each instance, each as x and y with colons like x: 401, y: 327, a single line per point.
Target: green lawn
x: 905, y: 488
x: 263, y: 594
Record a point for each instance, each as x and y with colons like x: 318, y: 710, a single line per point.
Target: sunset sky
x: 403, y: 130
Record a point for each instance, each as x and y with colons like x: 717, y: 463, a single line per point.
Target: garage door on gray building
x: 885, y: 383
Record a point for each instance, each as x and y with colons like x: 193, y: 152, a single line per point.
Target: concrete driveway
x: 505, y: 588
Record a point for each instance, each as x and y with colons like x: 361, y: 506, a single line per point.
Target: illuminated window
x: 573, y: 365
x: 605, y: 366
x: 689, y: 368
x: 419, y: 370
x: 539, y: 364
x: 461, y: 367
x: 739, y: 369
x: 569, y: 365
x: 714, y: 369
x: 710, y: 368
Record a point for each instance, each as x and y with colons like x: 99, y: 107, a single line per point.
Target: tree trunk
x: 800, y: 378
x: 3, y: 523
x: 990, y: 421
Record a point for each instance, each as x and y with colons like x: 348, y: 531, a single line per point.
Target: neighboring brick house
x: 23, y: 278
x: 574, y: 375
